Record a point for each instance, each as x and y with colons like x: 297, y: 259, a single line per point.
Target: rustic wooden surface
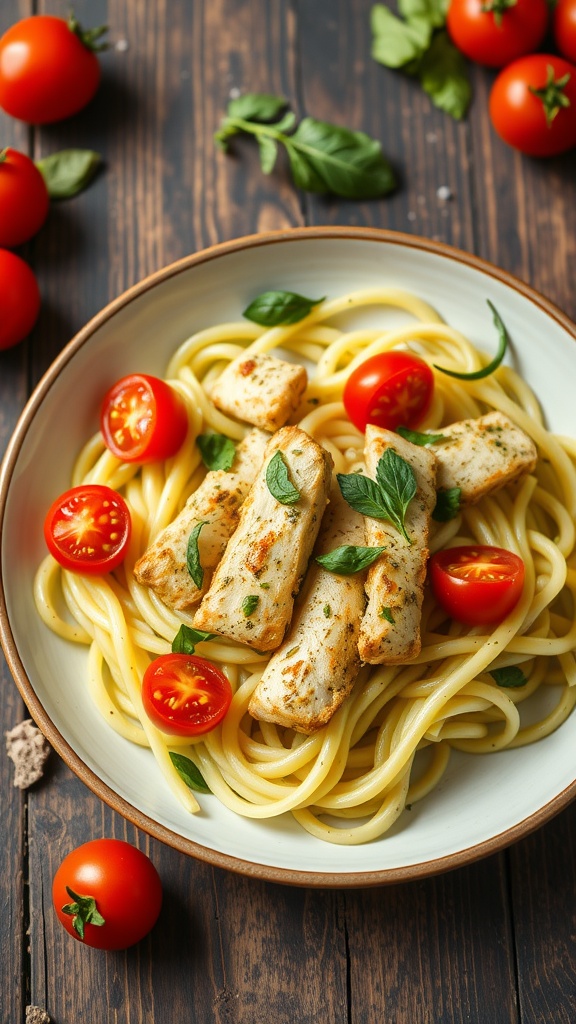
x: 494, y: 943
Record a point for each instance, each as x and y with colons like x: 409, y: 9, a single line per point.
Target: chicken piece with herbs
x: 260, y: 389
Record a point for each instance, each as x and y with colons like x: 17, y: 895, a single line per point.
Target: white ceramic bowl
x: 483, y: 803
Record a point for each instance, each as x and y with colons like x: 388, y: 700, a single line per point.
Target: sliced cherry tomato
x: 477, y: 584
x: 23, y: 198
x: 19, y: 299
x: 564, y: 28
x: 392, y: 389
x: 185, y: 695
x: 88, y: 528
x: 48, y: 68
x: 533, y: 105
x: 495, y: 32
x: 143, y: 419
x: 107, y: 894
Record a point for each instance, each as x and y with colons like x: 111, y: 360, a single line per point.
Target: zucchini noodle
x: 390, y: 742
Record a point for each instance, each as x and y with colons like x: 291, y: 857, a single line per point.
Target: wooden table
x: 493, y: 943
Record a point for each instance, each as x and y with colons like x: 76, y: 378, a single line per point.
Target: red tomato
x: 143, y: 418
x: 393, y: 389
x: 494, y: 33
x: 48, y: 69
x: 23, y: 198
x: 107, y: 894
x: 19, y: 299
x: 88, y: 528
x: 564, y: 28
x: 185, y: 695
x: 533, y: 105
x: 477, y: 584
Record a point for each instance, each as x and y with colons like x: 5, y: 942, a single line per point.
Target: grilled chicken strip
x: 260, y: 389
x: 390, y: 628
x: 216, y: 503
x: 481, y: 455
x: 313, y: 671
x: 253, y: 589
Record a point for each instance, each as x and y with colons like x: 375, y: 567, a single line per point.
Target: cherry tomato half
x: 564, y: 28
x: 185, y: 695
x: 24, y: 198
x: 19, y: 299
x: 533, y: 105
x: 477, y: 584
x: 143, y: 419
x: 48, y: 69
x: 107, y: 894
x: 88, y: 528
x: 494, y: 33
x: 392, y: 389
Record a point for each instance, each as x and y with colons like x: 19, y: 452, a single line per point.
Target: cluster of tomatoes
x: 533, y: 98
x: 48, y: 71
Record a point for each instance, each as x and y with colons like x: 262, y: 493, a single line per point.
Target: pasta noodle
x: 390, y: 742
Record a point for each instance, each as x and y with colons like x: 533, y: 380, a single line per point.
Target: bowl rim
x: 290, y: 876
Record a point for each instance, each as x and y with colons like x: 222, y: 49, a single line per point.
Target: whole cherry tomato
x: 19, y: 299
x: 477, y: 584
x: 24, y: 198
x: 392, y: 389
x: 143, y: 419
x: 107, y: 894
x: 185, y: 695
x: 495, y: 32
x: 564, y: 28
x: 87, y: 529
x: 533, y: 105
x: 48, y: 68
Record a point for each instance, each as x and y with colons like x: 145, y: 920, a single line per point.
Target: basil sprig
x: 387, y: 497
x: 415, y: 437
x: 417, y: 42
x: 193, y: 556
x: 278, y: 307
x: 278, y: 481
x: 348, y: 559
x: 323, y: 157
x: 510, y: 677
x: 485, y: 371
x: 69, y: 171
x: 189, y: 773
x: 217, y: 450
x: 187, y: 637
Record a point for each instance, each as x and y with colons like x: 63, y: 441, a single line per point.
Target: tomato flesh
x: 87, y: 529
x: 23, y: 198
x: 392, y: 389
x: 185, y: 695
x: 143, y: 419
x: 477, y: 584
x: 19, y: 299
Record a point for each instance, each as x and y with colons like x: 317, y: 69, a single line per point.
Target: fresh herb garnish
x: 447, y: 504
x: 193, y: 556
x: 217, y: 450
x: 415, y: 437
x: 323, y: 157
x: 327, y: 611
x: 277, y: 307
x: 348, y: 559
x: 189, y: 773
x: 68, y: 172
x: 278, y: 481
x: 249, y: 604
x: 385, y: 613
x: 187, y: 637
x: 417, y: 43
x: 495, y: 363
x: 83, y: 911
x: 387, y: 497
x: 509, y: 677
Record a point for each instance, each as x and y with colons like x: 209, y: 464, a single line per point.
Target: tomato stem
x: 498, y: 8
x: 552, y: 94
x: 91, y: 38
x: 83, y: 911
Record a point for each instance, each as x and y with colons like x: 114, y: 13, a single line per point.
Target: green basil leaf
x: 447, y: 504
x: 193, y: 556
x: 385, y: 613
x: 268, y: 149
x: 187, y: 637
x: 330, y: 159
x: 396, y: 43
x: 362, y: 494
x: 419, y: 439
x: 443, y: 74
x: 270, y: 309
x: 431, y: 11
x: 348, y: 559
x: 495, y: 363
x: 217, y: 450
x: 397, y: 484
x: 68, y: 172
x: 189, y: 773
x: 511, y: 677
x: 250, y: 604
x: 278, y: 481
x: 257, y: 106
